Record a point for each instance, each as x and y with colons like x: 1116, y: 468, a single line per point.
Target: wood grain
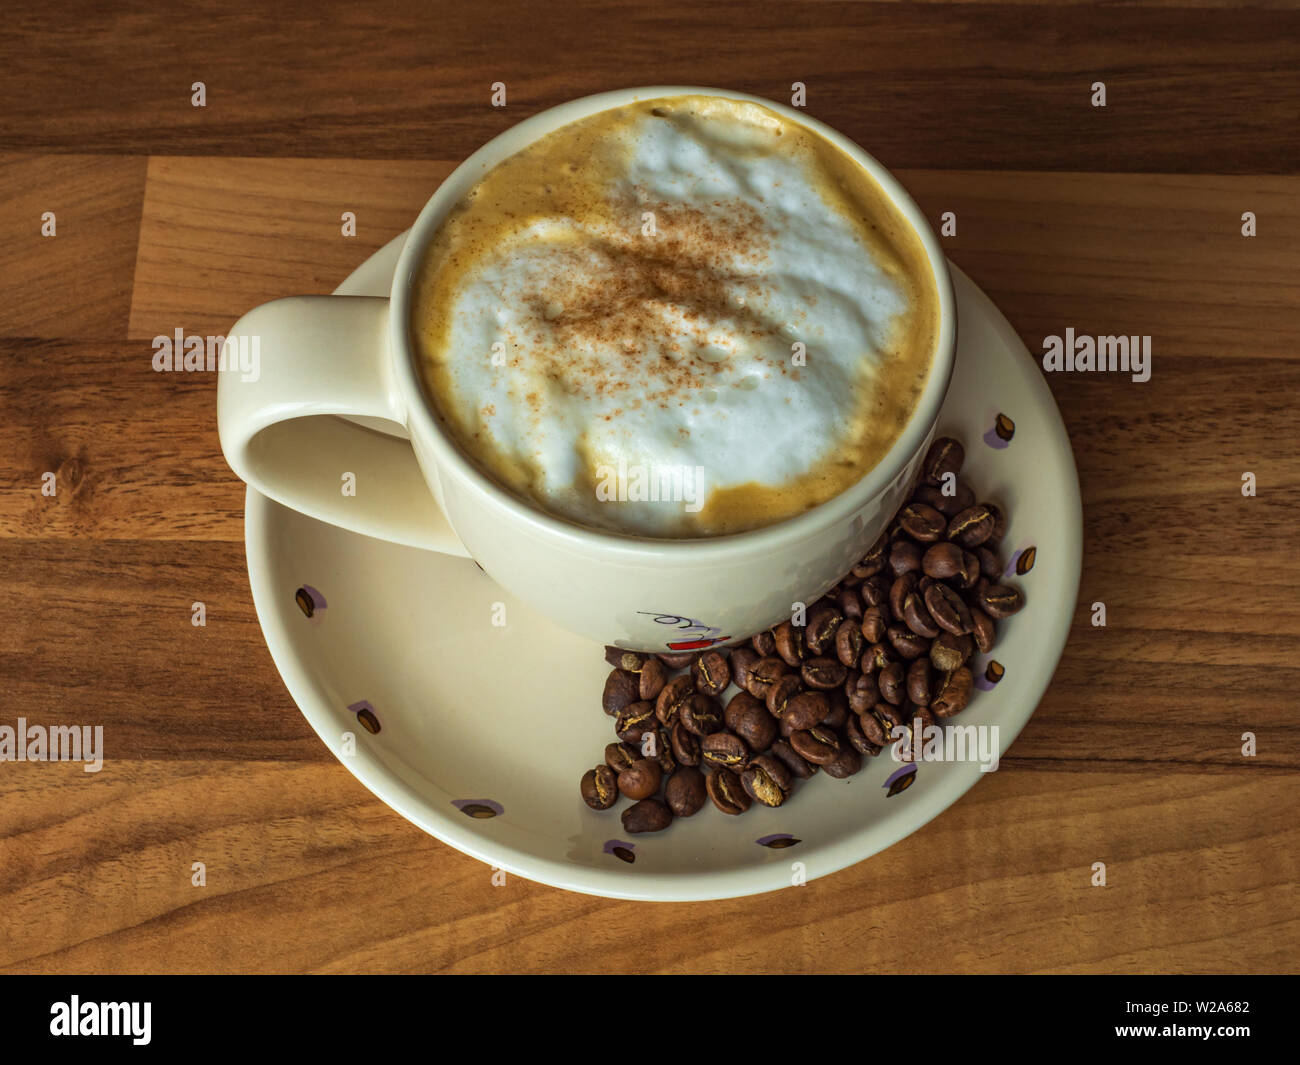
x: 220, y: 236
x: 962, y: 86
x: 306, y: 872
x: 1122, y: 221
x: 95, y: 201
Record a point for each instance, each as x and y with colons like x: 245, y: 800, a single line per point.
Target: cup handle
x: 295, y: 370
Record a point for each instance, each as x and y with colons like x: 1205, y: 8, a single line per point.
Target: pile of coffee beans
x: 888, y: 647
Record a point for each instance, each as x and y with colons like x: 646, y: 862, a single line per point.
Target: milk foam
x: 650, y: 320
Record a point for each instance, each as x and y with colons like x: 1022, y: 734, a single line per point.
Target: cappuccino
x: 694, y: 288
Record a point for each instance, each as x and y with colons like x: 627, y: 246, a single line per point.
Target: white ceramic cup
x: 338, y: 392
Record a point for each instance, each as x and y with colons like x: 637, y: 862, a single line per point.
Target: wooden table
x: 1122, y: 219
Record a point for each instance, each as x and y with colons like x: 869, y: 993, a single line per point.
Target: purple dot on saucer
x: 993, y: 673
x: 309, y: 600
x: 621, y: 849
x: 1024, y: 561
x: 1000, y: 435
x: 899, y: 780
x: 480, y: 808
x: 367, y: 716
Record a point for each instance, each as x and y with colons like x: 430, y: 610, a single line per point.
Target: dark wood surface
x: 1125, y: 219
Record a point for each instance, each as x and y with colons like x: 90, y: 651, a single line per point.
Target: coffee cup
x: 338, y: 425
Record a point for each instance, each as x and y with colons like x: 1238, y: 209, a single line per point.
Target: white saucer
x: 485, y: 730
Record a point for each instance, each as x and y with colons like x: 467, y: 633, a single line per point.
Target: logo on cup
x: 695, y: 635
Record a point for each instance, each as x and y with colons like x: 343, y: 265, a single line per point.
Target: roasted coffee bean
x: 628, y: 661
x: 983, y: 629
x: 739, y: 705
x: 876, y: 657
x: 849, y: 642
x: 648, y: 815
x: 949, y: 652
x: 875, y: 592
x: 947, y: 609
x: 673, y: 697
x: 678, y: 659
x: 952, y: 505
x: 875, y: 728
x: 823, y: 622
x: 894, y: 717
x: 663, y: 751
x: 756, y: 727
x: 907, y: 643
x: 818, y: 744
x: 685, y: 745
x: 904, y: 586
x: 970, y: 570
x: 918, y: 682
x: 823, y: 674
x: 923, y: 719
x: 839, y: 711
x: 621, y: 689
x: 641, y: 779
x: 654, y: 675
x: 972, y: 526
x: 727, y: 793
x: 789, y: 643
x: 891, y: 683
x: 873, y: 625
x: 600, y: 787
x: 763, y: 643
x: 990, y: 564
x: 1000, y: 600
x: 618, y: 756
x: 634, y: 721
x: 941, y: 561
x: 844, y: 764
x: 767, y: 780
x: 858, y: 739
x: 804, y: 711
x: 917, y: 618
x: 904, y: 557
x: 850, y: 604
x: 922, y: 523
x: 944, y: 457
x: 999, y: 525
x: 702, y: 715
x: 711, y: 673
x: 790, y: 758
x: 685, y: 792
x: 742, y: 661
x: 762, y: 675
x: 864, y: 694
x: 724, y: 749
x: 782, y: 692
x: 874, y: 560
x: 929, y: 494
x: 954, y: 694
